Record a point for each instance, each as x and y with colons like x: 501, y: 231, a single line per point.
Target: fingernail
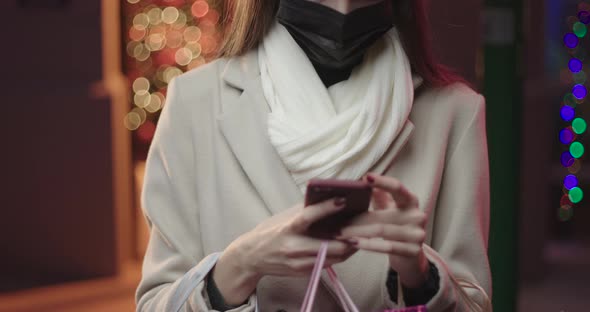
x: 353, y: 241
x: 370, y: 178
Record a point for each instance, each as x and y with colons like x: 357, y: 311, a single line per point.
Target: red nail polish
x: 370, y: 179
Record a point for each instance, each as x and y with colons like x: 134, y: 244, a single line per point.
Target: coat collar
x: 243, y: 123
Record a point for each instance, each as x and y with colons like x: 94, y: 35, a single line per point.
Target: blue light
x: 567, y: 113
x: 575, y: 65
x: 570, y: 40
x: 567, y: 160
x: 566, y: 136
x: 570, y: 181
x: 579, y: 91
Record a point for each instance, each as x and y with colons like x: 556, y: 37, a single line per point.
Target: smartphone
x: 358, y: 198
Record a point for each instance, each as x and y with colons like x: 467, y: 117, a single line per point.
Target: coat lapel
x: 243, y: 123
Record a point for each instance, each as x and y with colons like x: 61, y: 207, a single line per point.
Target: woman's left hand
x: 396, y: 227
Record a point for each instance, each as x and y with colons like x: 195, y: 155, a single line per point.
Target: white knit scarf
x: 340, y: 131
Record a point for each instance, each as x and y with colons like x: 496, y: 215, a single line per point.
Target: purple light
x: 575, y: 65
x: 566, y: 136
x: 570, y: 40
x: 584, y: 17
x: 579, y: 91
x: 570, y: 181
x: 567, y: 113
x: 567, y: 159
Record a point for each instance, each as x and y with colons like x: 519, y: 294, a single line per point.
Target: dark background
x: 59, y: 201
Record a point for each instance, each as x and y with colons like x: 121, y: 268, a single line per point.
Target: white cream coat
x: 212, y: 174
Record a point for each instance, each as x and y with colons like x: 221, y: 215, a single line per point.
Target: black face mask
x: 332, y: 39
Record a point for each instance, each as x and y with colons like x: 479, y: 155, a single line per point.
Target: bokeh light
x: 132, y: 121
x: 565, y: 200
x: 212, y: 16
x: 183, y: 56
x: 579, y: 91
x: 154, y: 103
x: 164, y: 39
x: 141, y: 52
x: 570, y: 40
x: 141, y: 84
x: 200, y: 8
x: 577, y: 149
x: 137, y: 34
x: 566, y: 136
x: 579, y: 125
x: 575, y: 65
x: 580, y: 29
x: 570, y: 181
x: 576, y: 195
x: 571, y: 158
x: 584, y: 17
x: 579, y: 77
x: 155, y: 16
x: 565, y: 213
x: 142, y: 21
x: 141, y: 99
x: 192, y: 34
x: 181, y: 21
x: 141, y: 113
x: 170, y: 15
x: 570, y: 100
x: 575, y: 167
x: 171, y: 72
x: 567, y: 159
x: 567, y: 113
x: 174, y: 39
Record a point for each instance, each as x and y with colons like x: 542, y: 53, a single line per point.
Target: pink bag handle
x: 341, y: 292
x: 315, y: 278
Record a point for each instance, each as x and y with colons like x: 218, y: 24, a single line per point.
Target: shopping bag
x: 343, y: 297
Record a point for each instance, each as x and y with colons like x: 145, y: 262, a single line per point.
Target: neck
x: 346, y: 6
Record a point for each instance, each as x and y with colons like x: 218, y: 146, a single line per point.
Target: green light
x: 580, y: 77
x: 579, y: 125
x: 565, y: 213
x: 576, y: 195
x: 580, y: 29
x: 570, y: 100
x: 577, y: 149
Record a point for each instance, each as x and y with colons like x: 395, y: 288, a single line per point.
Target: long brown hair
x: 245, y: 22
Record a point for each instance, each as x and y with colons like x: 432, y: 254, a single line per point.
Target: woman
x: 317, y: 89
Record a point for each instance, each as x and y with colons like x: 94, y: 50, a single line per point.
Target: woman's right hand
x: 277, y: 246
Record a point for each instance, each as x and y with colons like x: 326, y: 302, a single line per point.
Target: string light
x: 163, y: 40
x: 569, y: 135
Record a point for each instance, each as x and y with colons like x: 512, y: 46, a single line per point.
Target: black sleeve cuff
x: 415, y: 296
x: 392, y: 285
x: 215, y: 296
